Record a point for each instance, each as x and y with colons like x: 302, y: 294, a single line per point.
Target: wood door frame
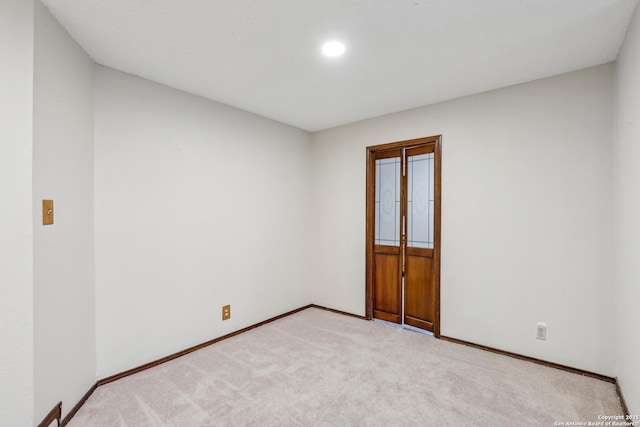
x: 370, y: 217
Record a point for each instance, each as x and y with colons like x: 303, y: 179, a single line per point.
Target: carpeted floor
x: 317, y: 368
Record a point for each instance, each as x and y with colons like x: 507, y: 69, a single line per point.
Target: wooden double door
x: 403, y: 233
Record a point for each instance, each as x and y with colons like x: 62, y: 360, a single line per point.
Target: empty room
x: 286, y: 213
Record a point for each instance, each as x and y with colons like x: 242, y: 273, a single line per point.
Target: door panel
x: 419, y: 277
x: 419, y: 292
x: 420, y: 178
x: 388, y: 290
x: 387, y: 298
x: 388, y: 194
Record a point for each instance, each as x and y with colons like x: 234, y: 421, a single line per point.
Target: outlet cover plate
x: 47, y: 212
x: 226, y: 312
x: 541, y: 331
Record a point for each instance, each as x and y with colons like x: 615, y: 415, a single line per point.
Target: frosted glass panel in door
x: 420, y: 200
x: 387, y: 224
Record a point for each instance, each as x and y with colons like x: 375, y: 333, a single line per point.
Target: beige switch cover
x: 47, y: 212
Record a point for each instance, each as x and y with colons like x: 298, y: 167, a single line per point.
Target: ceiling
x: 265, y: 56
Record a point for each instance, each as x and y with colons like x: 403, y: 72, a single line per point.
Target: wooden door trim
x: 390, y: 250
x: 437, y: 231
x: 372, y: 151
x: 406, y: 144
x: 388, y: 153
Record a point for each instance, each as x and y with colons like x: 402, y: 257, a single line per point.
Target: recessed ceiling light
x: 333, y: 48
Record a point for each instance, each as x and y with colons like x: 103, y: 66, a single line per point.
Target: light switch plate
x: 47, y: 212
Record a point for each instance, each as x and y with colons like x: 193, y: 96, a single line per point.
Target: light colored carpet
x: 318, y: 368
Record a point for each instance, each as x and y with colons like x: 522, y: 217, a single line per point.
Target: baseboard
x: 615, y: 381
x: 76, y: 408
x: 623, y: 403
x: 58, y: 409
x: 213, y: 341
x: 532, y: 360
x: 54, y: 415
x: 171, y: 357
x: 333, y: 310
x: 194, y: 348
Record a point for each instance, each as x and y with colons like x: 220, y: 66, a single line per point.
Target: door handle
x: 404, y: 249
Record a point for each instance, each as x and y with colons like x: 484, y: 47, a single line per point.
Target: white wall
x: 526, y: 215
x: 198, y: 205
x: 16, y: 231
x: 64, y: 283
x: 627, y: 212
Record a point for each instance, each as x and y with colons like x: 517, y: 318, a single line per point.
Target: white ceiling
x: 265, y: 56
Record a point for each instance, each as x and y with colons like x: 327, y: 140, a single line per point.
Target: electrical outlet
x: 226, y: 312
x: 541, y: 331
